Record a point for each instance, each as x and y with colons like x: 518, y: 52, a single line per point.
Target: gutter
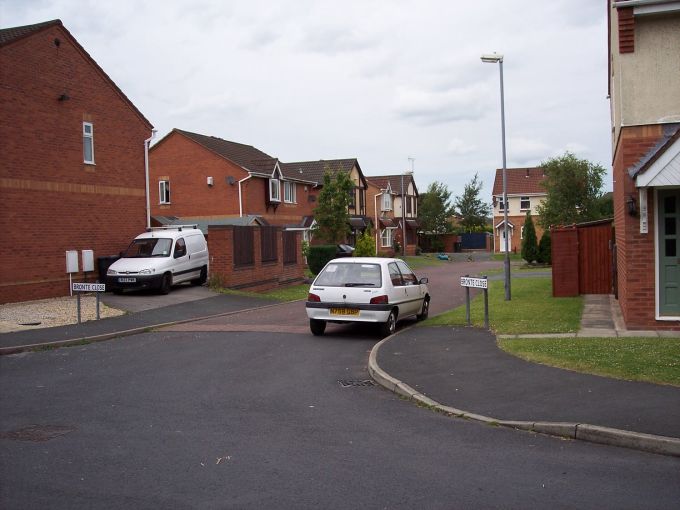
x: 146, y: 175
x: 240, y: 198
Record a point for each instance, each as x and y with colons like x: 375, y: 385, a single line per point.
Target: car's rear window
x: 350, y: 275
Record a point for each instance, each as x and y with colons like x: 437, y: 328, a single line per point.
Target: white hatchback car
x: 370, y: 289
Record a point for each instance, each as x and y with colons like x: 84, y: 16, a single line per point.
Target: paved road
x: 253, y: 420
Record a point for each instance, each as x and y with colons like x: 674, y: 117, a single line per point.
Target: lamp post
x: 498, y: 59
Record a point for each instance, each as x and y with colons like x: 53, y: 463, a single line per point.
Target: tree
x: 529, y: 241
x: 471, y: 208
x: 435, y: 209
x: 332, y: 218
x: 365, y: 245
x: 544, y: 249
x: 574, y: 188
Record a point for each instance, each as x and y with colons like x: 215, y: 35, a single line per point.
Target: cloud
x: 523, y: 150
x: 459, y: 147
x: 335, y: 40
x: 436, y: 107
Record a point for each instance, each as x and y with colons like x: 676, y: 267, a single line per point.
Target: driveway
x: 149, y: 300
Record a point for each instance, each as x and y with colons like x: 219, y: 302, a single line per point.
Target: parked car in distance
x: 161, y: 258
x: 366, y: 289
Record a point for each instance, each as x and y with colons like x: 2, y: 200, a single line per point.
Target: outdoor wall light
x: 632, y: 205
x: 63, y: 97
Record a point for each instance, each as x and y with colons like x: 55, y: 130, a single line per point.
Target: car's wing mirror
x: 423, y: 280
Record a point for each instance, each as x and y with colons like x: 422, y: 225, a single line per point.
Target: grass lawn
x: 531, y: 310
x: 424, y: 260
x: 654, y: 360
x: 291, y: 293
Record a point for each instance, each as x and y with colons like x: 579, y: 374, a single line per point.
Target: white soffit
x: 665, y: 171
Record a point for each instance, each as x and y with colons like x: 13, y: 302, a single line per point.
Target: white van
x: 161, y: 258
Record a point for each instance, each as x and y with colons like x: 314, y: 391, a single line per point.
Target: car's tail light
x: 313, y: 297
x: 379, y: 300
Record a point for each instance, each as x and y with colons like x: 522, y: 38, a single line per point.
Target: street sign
x: 88, y: 287
x: 478, y: 283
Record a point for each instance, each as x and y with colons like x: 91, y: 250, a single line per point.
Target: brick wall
x: 52, y: 201
x: 635, y: 251
x: 258, y: 276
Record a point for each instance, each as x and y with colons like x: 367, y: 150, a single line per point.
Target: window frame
x: 289, y: 192
x: 521, y: 200
x: 386, y: 234
x: 89, y: 139
x: 274, y: 184
x: 385, y: 206
x: 501, y: 204
x: 164, y: 197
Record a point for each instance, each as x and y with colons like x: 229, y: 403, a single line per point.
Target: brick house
x: 645, y: 111
x: 393, y: 209
x: 525, y: 193
x: 207, y: 180
x: 72, y: 172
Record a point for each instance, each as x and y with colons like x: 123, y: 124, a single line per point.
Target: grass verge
x: 531, y: 310
x: 291, y: 293
x: 424, y: 260
x: 655, y: 360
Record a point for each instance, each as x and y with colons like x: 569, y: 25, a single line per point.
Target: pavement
x: 455, y: 370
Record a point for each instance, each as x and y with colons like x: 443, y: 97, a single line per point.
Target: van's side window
x: 180, y: 248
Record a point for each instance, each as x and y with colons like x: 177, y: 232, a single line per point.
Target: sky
x: 380, y: 81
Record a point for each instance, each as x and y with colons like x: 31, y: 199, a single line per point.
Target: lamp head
x: 492, y: 59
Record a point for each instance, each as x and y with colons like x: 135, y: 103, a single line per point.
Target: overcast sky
x: 380, y: 81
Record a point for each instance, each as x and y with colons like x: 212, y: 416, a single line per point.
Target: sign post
x: 477, y: 283
x: 88, y: 287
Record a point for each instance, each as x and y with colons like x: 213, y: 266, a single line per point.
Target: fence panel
x: 595, y: 259
x: 244, y: 250
x: 289, y: 247
x: 268, y: 244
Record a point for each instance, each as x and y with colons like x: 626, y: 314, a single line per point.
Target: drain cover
x: 37, y: 433
x: 349, y: 383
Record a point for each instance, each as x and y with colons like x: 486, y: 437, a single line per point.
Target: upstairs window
x: 164, y: 192
x: 409, y: 205
x: 274, y: 190
x: 289, y: 192
x: 525, y: 203
x: 88, y: 143
x: 352, y: 199
x: 386, y: 202
x: 501, y: 204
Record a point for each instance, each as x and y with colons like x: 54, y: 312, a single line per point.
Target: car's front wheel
x: 166, y: 284
x: 388, y: 327
x: 425, y: 310
x: 317, y: 326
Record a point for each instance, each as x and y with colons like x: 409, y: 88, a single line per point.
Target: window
x: 386, y: 202
x: 501, y: 204
x: 395, y: 275
x: 274, y: 190
x: 352, y: 199
x: 88, y: 143
x: 525, y: 203
x: 386, y: 237
x: 409, y: 206
x: 338, y: 274
x: 180, y: 248
x: 407, y: 274
x: 164, y: 192
x: 289, y: 192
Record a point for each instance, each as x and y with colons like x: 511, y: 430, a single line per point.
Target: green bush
x: 529, y: 242
x: 365, y: 245
x: 319, y: 256
x: 544, y: 249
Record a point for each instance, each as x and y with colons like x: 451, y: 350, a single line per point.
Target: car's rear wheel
x: 425, y: 310
x: 317, y: 326
x: 388, y: 327
x: 166, y: 283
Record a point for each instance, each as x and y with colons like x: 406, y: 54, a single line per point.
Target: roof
x: 394, y: 181
x: 519, y: 181
x: 13, y: 34
x: 315, y: 170
x: 203, y: 222
x: 671, y: 132
x: 246, y: 156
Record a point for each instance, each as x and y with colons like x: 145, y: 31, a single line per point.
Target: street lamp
x: 403, y: 209
x: 498, y: 59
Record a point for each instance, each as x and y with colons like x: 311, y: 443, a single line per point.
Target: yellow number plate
x: 344, y: 311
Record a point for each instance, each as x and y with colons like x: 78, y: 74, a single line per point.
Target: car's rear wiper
x: 352, y: 284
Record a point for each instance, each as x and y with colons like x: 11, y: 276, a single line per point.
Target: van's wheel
x: 425, y: 310
x: 317, y: 326
x: 166, y: 283
x: 388, y: 327
x: 202, y: 278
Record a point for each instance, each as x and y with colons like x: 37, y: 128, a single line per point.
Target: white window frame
x: 501, y: 204
x: 274, y: 185
x: 88, y: 138
x: 522, y: 199
x: 386, y: 202
x: 164, y: 192
x: 289, y: 192
x: 386, y: 238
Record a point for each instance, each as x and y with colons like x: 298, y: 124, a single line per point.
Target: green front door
x: 669, y: 252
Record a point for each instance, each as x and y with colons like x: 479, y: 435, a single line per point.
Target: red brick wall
x: 259, y: 276
x: 52, y: 201
x: 635, y: 251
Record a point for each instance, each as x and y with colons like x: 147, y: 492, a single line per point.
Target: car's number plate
x: 344, y: 311
x: 127, y: 280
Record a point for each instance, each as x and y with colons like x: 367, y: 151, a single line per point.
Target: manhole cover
x: 37, y: 433
x: 349, y: 383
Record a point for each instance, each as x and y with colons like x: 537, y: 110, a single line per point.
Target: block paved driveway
x: 444, y: 285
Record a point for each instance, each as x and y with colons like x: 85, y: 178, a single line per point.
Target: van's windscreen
x: 153, y: 247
